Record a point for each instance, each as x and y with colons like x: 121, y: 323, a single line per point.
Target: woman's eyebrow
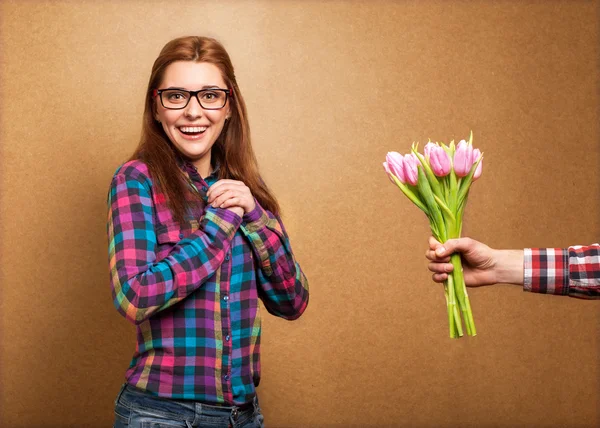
x: 204, y: 87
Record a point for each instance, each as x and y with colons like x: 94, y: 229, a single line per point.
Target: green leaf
x: 432, y: 206
x: 466, y: 181
x: 433, y: 181
x: 444, y: 208
x: 410, y: 194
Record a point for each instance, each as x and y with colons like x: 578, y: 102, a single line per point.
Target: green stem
x: 453, y: 229
x: 450, y: 313
x: 462, y: 296
x: 453, y: 314
x: 470, y: 320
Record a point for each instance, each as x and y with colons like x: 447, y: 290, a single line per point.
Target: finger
x: 220, y: 185
x: 214, y: 191
x: 241, y: 200
x: 433, y: 243
x: 217, y: 189
x: 449, y: 247
x: 458, y: 245
x: 439, y: 277
x: 231, y: 202
x: 431, y: 255
x: 224, y: 189
x: 440, y: 267
x: 227, y: 181
x: 218, y: 201
x: 213, y: 194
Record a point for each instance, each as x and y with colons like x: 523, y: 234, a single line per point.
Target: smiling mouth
x: 192, y: 130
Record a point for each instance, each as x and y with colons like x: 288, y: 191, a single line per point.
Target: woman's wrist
x: 509, y: 266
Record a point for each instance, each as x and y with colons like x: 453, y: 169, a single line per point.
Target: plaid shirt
x: 574, y: 271
x: 192, y: 289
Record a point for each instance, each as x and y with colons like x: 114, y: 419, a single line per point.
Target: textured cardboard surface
x: 331, y: 86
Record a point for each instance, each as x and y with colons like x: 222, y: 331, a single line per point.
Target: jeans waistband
x: 240, y: 408
x: 190, y: 405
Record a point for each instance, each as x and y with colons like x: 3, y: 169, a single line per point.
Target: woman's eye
x: 176, y: 96
x: 213, y: 97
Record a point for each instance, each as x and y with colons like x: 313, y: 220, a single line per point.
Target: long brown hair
x: 232, y: 150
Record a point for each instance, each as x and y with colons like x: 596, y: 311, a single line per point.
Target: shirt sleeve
x: 573, y: 271
x: 141, y: 284
x: 282, y: 285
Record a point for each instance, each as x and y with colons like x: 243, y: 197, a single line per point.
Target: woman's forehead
x: 192, y: 75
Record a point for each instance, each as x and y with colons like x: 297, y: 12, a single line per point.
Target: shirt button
x: 204, y: 188
x: 180, y: 235
x: 226, y: 298
x: 227, y: 256
x: 227, y: 338
x: 226, y: 377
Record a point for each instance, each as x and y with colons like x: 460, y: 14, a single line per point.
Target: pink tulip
x: 439, y: 161
x: 411, y: 162
x: 387, y: 168
x: 476, y: 155
x: 463, y: 158
x: 395, y: 165
x: 388, y: 172
x: 428, y: 149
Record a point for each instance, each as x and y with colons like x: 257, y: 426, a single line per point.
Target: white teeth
x: 193, y: 128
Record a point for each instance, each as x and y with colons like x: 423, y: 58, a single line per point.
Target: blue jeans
x: 135, y: 408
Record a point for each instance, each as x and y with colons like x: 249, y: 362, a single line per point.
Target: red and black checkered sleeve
x: 573, y: 271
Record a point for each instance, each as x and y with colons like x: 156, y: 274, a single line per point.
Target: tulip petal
x: 396, y: 165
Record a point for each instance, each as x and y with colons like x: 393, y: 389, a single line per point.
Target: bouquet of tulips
x: 438, y: 182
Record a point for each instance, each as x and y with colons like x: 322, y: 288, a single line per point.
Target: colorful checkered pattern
x: 574, y: 271
x: 192, y: 289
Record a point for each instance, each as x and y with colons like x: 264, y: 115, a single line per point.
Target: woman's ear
x: 155, y: 110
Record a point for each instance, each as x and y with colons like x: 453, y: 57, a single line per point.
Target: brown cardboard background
x: 372, y: 348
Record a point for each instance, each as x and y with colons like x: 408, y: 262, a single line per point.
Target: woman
x: 195, y: 239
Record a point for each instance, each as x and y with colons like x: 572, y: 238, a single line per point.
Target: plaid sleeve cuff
x: 546, y: 270
x: 220, y: 222
x: 255, y: 219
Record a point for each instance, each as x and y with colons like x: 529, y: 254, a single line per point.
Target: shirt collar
x: 189, y: 167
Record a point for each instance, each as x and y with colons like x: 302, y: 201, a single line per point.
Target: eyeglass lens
x: 210, y: 99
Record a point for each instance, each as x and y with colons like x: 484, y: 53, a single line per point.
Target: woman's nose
x: 193, y: 109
